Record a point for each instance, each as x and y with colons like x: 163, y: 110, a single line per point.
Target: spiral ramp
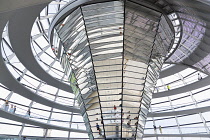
x: 31, y: 76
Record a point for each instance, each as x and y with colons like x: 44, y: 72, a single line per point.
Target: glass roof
x: 192, y: 30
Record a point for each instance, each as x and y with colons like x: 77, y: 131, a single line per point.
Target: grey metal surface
x: 172, y: 70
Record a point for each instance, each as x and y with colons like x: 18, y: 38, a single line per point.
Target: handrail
x: 23, y: 112
x: 27, y: 120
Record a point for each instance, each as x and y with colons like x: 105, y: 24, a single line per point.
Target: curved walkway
x: 18, y: 118
x: 193, y: 86
x: 19, y: 29
x: 203, y: 49
x: 9, y: 81
x: 176, y: 135
x: 181, y: 112
x: 172, y: 70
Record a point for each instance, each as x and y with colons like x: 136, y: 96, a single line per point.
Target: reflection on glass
x: 112, y: 54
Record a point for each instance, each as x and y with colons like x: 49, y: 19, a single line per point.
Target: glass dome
x: 37, y: 99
